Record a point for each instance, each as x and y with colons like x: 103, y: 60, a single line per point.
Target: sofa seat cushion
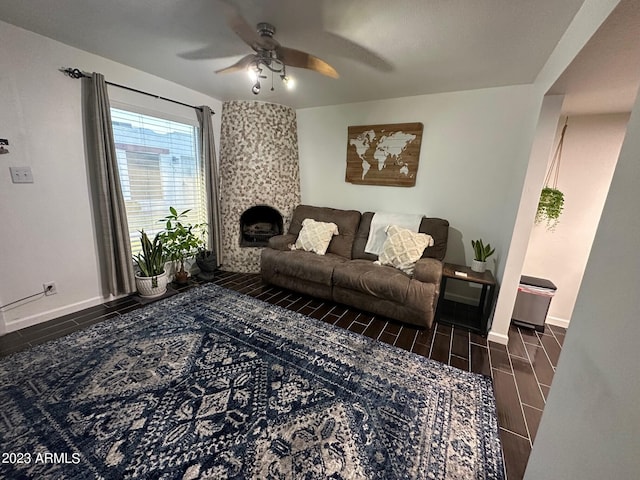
x: 301, y: 264
x: 376, y: 280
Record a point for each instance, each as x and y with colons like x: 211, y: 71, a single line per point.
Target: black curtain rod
x: 76, y: 73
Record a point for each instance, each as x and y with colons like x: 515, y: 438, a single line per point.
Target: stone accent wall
x: 258, y: 166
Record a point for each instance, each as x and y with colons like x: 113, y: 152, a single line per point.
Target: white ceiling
x: 381, y: 49
x: 605, y: 76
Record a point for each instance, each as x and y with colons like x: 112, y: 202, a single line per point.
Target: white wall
x: 474, y: 155
x: 542, y: 146
x: 47, y: 228
x: 591, y: 422
x: 591, y: 15
x: 590, y: 152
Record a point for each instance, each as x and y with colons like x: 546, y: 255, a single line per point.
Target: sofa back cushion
x: 346, y: 220
x: 436, y: 227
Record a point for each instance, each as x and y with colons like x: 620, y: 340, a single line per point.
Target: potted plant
x: 550, y: 207
x: 180, y: 241
x: 151, y: 280
x: 481, y: 253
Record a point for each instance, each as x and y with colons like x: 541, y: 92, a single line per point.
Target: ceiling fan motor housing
x: 266, y: 29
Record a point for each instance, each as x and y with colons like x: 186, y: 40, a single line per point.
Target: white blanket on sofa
x: 381, y: 220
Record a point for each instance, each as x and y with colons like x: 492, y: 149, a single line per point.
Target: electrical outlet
x: 50, y: 288
x: 21, y: 174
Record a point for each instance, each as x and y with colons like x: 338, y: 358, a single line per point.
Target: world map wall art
x: 384, y: 154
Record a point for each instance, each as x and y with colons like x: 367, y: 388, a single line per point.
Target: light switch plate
x: 21, y: 174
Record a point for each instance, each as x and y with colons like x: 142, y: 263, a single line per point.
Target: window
x: 159, y: 167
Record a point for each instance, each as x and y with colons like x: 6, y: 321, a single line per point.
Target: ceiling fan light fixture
x: 274, y: 66
x: 289, y: 82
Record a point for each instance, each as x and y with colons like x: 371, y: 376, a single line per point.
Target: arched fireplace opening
x: 258, y: 224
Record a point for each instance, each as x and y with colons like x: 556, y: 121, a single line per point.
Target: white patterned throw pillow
x: 403, y: 248
x: 315, y: 236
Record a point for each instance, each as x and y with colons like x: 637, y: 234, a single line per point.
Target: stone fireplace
x: 259, y: 179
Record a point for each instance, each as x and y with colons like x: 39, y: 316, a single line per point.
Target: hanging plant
x: 550, y: 207
x: 551, y: 200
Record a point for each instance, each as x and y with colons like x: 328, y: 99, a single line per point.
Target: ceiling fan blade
x: 296, y: 58
x: 246, y: 32
x: 241, y: 64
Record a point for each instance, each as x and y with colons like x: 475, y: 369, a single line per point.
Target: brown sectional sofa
x: 347, y: 274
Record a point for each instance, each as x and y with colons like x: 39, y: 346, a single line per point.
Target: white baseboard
x: 558, y: 322
x: 498, y: 338
x: 25, y: 322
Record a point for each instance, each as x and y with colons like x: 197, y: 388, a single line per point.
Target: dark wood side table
x: 474, y: 318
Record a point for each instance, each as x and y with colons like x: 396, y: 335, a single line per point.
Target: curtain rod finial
x: 73, y: 72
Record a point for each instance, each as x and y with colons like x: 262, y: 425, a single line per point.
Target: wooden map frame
x: 399, y: 169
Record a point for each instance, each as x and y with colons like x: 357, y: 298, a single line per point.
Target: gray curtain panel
x: 208, y: 152
x: 115, y: 244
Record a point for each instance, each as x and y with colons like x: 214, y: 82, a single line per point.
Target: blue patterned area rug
x: 218, y: 385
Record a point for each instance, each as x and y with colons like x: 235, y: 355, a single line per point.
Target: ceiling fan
x: 269, y: 54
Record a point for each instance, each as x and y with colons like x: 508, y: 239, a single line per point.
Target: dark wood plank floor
x: 522, y: 371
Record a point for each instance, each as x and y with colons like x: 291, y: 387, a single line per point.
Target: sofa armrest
x: 428, y: 270
x: 282, y: 242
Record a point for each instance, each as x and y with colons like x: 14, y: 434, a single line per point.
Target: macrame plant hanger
x: 554, y: 168
x: 551, y: 199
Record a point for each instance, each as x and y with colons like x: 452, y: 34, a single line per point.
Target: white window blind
x: 159, y: 167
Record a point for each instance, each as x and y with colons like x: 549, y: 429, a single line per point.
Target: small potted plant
x: 550, y: 207
x: 481, y: 253
x: 151, y: 279
x: 180, y: 241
